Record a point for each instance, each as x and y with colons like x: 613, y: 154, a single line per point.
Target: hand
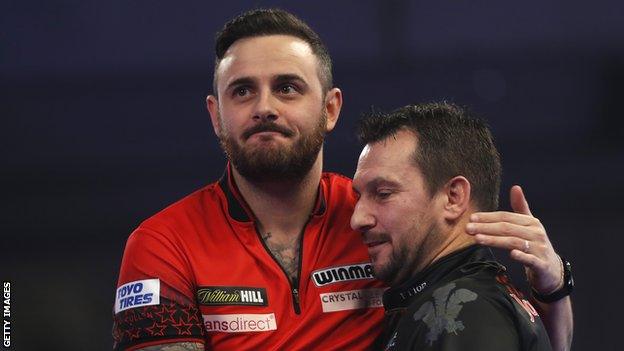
x: 525, y: 236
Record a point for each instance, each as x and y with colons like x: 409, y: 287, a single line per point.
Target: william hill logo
x: 231, y: 295
x: 342, y: 273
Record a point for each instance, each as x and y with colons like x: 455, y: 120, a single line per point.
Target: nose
x: 362, y: 219
x: 265, y: 109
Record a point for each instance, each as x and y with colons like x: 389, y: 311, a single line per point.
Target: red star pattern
x: 129, y: 316
x: 166, y: 314
x: 191, y: 314
x: 133, y: 333
x: 148, y: 313
x: 183, y: 328
x: 148, y: 322
x: 156, y: 329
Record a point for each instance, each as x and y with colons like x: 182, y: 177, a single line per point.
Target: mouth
x: 372, y: 244
x: 267, y: 131
x: 266, y: 134
x: 375, y: 243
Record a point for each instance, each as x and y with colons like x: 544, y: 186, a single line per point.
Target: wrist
x: 563, y: 289
x: 560, y: 282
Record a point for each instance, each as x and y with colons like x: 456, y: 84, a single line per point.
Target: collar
x: 239, y: 210
x: 457, y: 264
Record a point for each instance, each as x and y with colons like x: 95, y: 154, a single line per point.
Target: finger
x: 502, y: 216
x: 526, y: 259
x: 501, y: 229
x: 518, y: 201
x: 504, y: 242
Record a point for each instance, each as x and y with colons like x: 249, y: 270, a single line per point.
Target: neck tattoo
x: 285, y: 253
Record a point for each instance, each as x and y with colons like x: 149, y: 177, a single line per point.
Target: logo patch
x: 137, y: 293
x: 338, y: 274
x: 239, y: 323
x: 231, y: 295
x: 352, y: 299
x: 518, y: 297
x: 441, y: 314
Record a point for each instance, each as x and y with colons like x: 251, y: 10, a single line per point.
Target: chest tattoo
x: 286, y: 254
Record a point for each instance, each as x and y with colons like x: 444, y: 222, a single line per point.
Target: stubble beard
x: 407, y: 260
x: 276, y: 163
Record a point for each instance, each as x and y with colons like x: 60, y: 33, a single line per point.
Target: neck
x: 455, y: 241
x: 452, y: 238
x: 281, y: 206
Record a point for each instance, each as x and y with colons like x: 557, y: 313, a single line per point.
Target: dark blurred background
x: 103, y: 124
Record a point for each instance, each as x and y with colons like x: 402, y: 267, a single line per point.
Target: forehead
x: 390, y: 160
x: 267, y: 56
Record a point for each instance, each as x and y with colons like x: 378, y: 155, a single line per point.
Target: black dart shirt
x: 464, y: 301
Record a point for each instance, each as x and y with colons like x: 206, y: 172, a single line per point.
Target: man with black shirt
x: 426, y: 173
x: 264, y: 258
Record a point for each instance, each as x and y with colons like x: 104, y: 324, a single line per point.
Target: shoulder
x: 462, y: 313
x: 174, y: 229
x: 338, y: 188
x: 188, y: 210
x: 338, y: 178
x: 482, y: 291
x: 473, y: 312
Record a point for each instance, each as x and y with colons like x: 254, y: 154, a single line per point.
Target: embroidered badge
x: 441, y: 314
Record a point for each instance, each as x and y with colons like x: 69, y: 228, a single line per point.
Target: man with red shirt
x: 263, y: 259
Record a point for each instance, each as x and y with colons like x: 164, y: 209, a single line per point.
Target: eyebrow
x: 240, y: 81
x: 283, y: 78
x: 280, y: 78
x: 375, y: 182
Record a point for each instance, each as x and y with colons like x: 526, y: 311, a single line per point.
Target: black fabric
x: 168, y: 321
x: 464, y: 301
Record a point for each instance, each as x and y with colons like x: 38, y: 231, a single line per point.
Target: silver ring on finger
x: 527, y: 246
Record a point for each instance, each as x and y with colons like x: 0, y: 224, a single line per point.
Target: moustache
x: 369, y: 237
x: 267, y: 127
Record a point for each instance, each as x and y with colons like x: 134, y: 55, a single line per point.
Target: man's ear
x: 212, y: 104
x: 333, y: 104
x: 457, y: 197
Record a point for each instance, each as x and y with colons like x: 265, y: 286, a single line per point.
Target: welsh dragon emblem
x: 441, y: 314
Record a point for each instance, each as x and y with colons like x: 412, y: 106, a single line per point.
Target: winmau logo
x: 342, y: 273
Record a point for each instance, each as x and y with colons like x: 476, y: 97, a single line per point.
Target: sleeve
x: 154, y: 301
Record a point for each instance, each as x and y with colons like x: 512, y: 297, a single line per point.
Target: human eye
x: 383, y: 194
x: 287, y: 89
x: 241, y: 91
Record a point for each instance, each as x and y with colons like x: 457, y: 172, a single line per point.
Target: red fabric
x: 209, y: 240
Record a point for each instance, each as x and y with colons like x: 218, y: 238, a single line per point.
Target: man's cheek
x: 381, y: 255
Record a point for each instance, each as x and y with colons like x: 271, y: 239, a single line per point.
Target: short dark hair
x: 262, y: 22
x: 451, y: 142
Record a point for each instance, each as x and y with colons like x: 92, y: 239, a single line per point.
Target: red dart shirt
x: 198, y: 271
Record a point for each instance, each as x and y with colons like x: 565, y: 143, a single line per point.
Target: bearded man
x: 424, y: 179
x: 264, y: 258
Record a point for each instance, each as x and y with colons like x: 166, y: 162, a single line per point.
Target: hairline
x: 415, y: 160
x: 319, y: 64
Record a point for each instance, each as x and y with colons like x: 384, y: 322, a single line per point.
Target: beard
x: 407, y: 259
x: 281, y: 163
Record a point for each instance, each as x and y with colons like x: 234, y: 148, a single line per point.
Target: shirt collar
x: 239, y: 210
x: 400, y: 296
